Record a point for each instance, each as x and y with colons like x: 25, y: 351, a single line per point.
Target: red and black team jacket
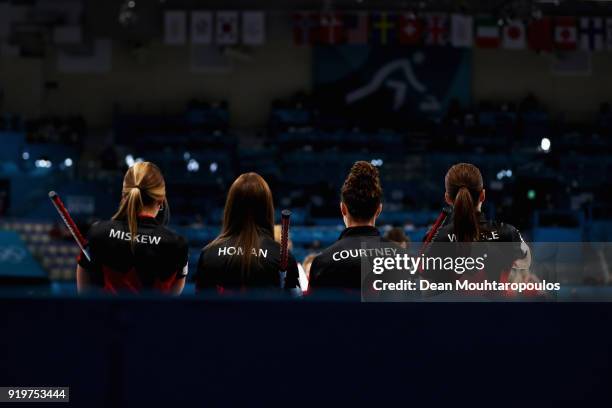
x: 499, y: 258
x: 158, y: 259
x: 340, y: 266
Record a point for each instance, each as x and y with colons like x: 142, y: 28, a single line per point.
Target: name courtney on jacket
x: 140, y: 238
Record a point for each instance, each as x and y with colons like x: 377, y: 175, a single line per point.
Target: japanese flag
x: 514, y: 35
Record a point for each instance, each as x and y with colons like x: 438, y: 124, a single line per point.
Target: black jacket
x: 158, y: 259
x: 340, y: 265
x: 502, y: 243
x: 220, y: 267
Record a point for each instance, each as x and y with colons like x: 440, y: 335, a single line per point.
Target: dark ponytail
x: 464, y: 185
x: 465, y: 217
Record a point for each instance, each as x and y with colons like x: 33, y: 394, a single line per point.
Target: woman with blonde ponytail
x: 133, y: 251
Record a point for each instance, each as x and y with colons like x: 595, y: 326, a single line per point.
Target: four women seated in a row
x: 134, y: 251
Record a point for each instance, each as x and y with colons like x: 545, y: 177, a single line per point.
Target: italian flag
x: 487, y: 33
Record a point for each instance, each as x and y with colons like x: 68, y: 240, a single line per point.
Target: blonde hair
x: 143, y: 185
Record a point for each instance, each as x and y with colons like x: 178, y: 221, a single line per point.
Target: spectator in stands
x: 465, y: 193
x: 398, y: 236
x: 339, y: 266
x: 133, y: 252
x: 245, y: 254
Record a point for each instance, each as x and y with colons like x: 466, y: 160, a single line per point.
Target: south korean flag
x: 227, y: 28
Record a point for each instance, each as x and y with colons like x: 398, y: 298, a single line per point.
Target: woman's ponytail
x: 465, y: 217
x: 143, y: 185
x: 464, y: 185
x: 134, y: 208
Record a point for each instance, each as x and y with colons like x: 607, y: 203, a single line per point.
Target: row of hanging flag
x: 214, y: 27
x: 456, y: 30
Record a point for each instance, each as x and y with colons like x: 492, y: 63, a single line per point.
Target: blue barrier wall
x: 192, y: 352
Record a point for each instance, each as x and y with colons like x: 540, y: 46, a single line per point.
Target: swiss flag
x: 539, y: 34
x: 566, y: 33
x: 410, y: 29
x: 304, y: 28
x: 331, y: 28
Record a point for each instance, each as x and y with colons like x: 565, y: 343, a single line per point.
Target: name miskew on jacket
x: 140, y: 238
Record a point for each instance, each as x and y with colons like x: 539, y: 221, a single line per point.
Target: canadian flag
x: 514, y: 36
x: 410, y: 29
x: 566, y: 34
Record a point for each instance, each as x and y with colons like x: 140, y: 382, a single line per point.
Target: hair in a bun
x: 361, y: 192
